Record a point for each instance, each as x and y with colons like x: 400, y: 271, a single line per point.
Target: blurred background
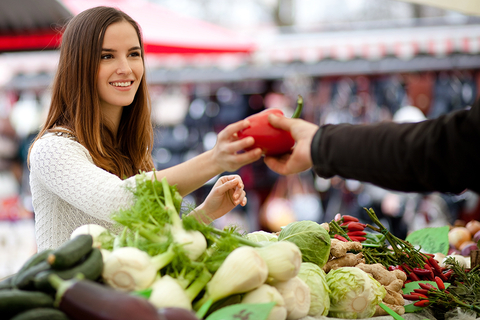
x: 214, y: 62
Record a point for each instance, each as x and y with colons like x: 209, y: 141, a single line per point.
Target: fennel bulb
x: 167, y: 292
x: 283, y: 259
x: 193, y: 242
x: 262, y: 237
x: 265, y: 294
x: 94, y: 230
x: 242, y: 270
x: 296, y: 295
x: 129, y: 268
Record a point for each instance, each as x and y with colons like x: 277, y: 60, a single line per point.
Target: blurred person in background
x: 440, y: 154
x: 98, y: 135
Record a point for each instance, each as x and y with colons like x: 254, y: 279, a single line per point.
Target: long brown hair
x: 75, y: 101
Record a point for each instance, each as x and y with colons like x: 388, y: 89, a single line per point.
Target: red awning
x: 167, y: 32
x: 26, y: 26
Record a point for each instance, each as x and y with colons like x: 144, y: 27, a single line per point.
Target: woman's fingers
x: 233, y: 128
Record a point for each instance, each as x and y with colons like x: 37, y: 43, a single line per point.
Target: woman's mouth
x: 121, y: 84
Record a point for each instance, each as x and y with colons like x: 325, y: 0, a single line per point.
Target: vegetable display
x: 161, y: 265
x: 271, y: 140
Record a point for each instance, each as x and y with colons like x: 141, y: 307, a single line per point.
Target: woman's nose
x: 124, y: 67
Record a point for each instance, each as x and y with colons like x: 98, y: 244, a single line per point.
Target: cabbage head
x: 311, y: 238
x: 261, y: 236
x: 354, y: 294
x: 316, y: 280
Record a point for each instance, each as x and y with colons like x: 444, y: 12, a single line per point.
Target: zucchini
x: 25, y: 280
x: 15, y: 301
x: 91, y: 268
x: 31, y: 262
x: 70, y: 252
x: 41, y: 314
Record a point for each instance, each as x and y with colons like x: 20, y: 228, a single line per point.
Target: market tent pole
x: 468, y: 7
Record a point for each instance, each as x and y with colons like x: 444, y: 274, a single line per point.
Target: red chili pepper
x: 339, y: 237
x: 347, y: 218
x: 357, y: 239
x: 448, y: 274
x: 426, y: 286
x: 356, y: 233
x: 413, y: 276
x: 421, y: 272
x: 443, y: 277
x: 436, y: 267
x: 271, y: 140
x: 412, y: 297
x: 440, y: 283
x: 356, y: 226
x: 431, y: 276
x: 422, y: 303
x: 421, y: 291
x: 407, y: 267
x: 419, y: 295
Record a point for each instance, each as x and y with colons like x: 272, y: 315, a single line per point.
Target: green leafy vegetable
x: 354, y: 294
x: 311, y: 238
x: 316, y: 280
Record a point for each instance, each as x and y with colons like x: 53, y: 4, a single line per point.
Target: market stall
x: 164, y: 267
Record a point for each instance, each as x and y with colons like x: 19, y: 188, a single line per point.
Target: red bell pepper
x: 271, y: 140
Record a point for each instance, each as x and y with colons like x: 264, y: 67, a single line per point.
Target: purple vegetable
x: 467, y: 249
x: 476, y: 237
x: 176, y: 313
x: 86, y: 299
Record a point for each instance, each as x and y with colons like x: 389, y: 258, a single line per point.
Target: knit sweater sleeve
x: 65, y: 170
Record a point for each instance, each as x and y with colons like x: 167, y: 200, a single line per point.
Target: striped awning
x: 403, y: 43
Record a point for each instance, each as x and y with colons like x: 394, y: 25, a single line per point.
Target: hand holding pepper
x: 300, y: 158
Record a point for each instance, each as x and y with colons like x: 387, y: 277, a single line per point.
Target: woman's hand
x: 225, y: 195
x: 226, y: 150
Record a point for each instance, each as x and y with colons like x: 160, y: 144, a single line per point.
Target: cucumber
x: 41, y: 314
x: 15, y: 301
x: 25, y: 280
x: 70, y: 252
x: 7, y: 283
x: 91, y: 268
x: 31, y: 262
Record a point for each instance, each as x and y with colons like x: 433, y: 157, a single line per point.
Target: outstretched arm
x: 224, y: 157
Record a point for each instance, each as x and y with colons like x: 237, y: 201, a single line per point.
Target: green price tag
x: 432, y: 240
x: 243, y: 311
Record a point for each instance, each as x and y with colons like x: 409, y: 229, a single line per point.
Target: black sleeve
x: 442, y: 154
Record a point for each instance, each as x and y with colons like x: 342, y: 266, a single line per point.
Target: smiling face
x: 120, y: 70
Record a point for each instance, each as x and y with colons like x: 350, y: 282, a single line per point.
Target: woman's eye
x: 135, y: 54
x: 106, y: 56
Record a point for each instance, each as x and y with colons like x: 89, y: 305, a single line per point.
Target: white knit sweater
x: 69, y: 190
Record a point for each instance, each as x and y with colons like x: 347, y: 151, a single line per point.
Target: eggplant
x: 172, y: 313
x: 84, y: 299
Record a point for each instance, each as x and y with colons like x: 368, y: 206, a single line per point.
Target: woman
x: 98, y: 134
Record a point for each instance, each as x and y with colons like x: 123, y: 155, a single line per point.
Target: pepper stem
x: 299, y: 108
